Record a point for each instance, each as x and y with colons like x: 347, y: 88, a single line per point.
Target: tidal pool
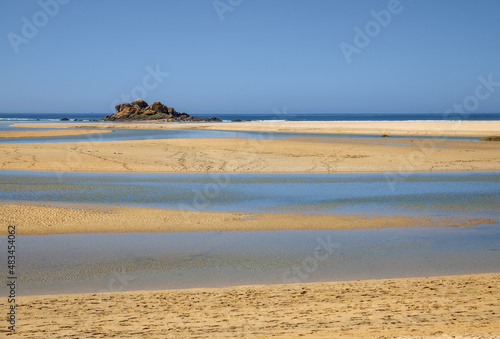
x: 52, y: 264
x: 113, y: 262
x: 442, y: 193
x: 149, y: 134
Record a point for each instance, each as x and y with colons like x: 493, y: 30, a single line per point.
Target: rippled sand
x: 40, y: 219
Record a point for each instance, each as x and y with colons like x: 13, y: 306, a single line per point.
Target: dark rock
x: 64, y: 119
x: 140, y: 103
x: 159, y: 107
x: 139, y: 110
x: 121, y: 107
x: 236, y: 120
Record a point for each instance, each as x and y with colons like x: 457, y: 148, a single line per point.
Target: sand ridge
x: 429, y: 128
x: 74, y: 219
x: 51, y: 133
x: 254, y: 155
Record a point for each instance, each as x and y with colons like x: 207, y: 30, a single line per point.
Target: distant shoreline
x: 278, y: 115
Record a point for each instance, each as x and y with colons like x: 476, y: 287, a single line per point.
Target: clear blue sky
x: 264, y: 54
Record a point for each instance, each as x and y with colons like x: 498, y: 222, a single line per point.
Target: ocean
x: 273, y: 116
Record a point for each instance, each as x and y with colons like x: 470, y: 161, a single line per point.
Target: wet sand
x: 255, y: 155
x: 463, y: 306
x: 39, y: 219
x: 50, y: 133
x: 440, y: 128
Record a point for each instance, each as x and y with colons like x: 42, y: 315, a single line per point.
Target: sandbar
x: 463, y: 306
x: 50, y: 133
x: 329, y: 155
x: 422, y: 128
x: 41, y: 219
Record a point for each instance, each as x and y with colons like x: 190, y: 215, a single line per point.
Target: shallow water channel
x: 114, y: 262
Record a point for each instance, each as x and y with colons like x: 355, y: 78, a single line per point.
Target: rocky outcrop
x: 139, y: 102
x: 139, y: 110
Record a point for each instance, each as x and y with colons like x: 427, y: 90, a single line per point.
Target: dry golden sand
x: 254, y: 155
x: 463, y: 306
x: 268, y: 155
x: 50, y: 133
x: 441, y: 128
x: 38, y: 219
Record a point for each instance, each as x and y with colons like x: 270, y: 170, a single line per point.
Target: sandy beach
x: 464, y: 306
x: 429, y: 128
x: 254, y: 155
x: 266, y: 154
x: 39, y: 219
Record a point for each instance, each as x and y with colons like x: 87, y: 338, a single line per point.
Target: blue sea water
x: 357, y: 117
x: 50, y: 116
x: 272, y: 116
